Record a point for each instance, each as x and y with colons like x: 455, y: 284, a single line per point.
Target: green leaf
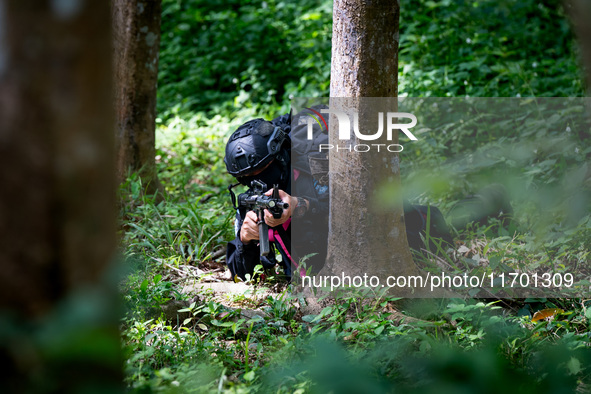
x: 249, y: 376
x: 310, y: 318
x: 144, y: 286
x: 494, y: 261
x: 574, y: 366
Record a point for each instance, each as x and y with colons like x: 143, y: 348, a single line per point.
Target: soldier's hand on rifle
x: 269, y: 219
x: 250, y: 230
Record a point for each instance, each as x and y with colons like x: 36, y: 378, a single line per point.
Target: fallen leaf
x: 463, y: 249
x: 545, y: 313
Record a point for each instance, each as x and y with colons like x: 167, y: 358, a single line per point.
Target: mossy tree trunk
x: 136, y: 24
x: 59, y: 327
x: 364, y: 240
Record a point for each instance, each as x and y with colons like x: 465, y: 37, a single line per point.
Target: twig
x: 184, y: 273
x: 219, y: 253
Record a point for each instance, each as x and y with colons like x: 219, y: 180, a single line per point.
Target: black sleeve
x: 242, y: 258
x: 310, y: 231
x: 317, y: 206
x: 318, y: 198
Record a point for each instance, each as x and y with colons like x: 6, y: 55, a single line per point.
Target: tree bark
x: 136, y: 24
x: 365, y: 38
x: 363, y: 238
x: 57, y: 219
x: 579, y: 12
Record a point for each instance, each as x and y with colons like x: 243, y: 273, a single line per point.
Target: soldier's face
x: 269, y: 175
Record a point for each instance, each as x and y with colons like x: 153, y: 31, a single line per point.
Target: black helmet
x: 252, y: 146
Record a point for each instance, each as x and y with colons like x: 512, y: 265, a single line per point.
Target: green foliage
x: 486, y: 48
x: 468, y: 355
x: 533, y: 149
x: 187, y: 224
x: 355, y: 343
x: 175, y: 231
x: 217, y: 55
x: 224, y: 62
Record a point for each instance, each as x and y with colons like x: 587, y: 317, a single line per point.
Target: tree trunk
x: 136, y: 24
x: 579, y: 12
x: 57, y: 219
x: 363, y: 238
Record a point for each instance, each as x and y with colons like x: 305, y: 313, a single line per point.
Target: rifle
x: 256, y: 200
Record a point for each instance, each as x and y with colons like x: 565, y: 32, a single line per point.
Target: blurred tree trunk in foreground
x: 136, y: 24
x: 579, y: 12
x: 58, y: 323
x: 365, y: 64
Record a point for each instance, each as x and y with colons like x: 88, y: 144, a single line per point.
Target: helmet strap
x: 233, y: 195
x: 282, y: 158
